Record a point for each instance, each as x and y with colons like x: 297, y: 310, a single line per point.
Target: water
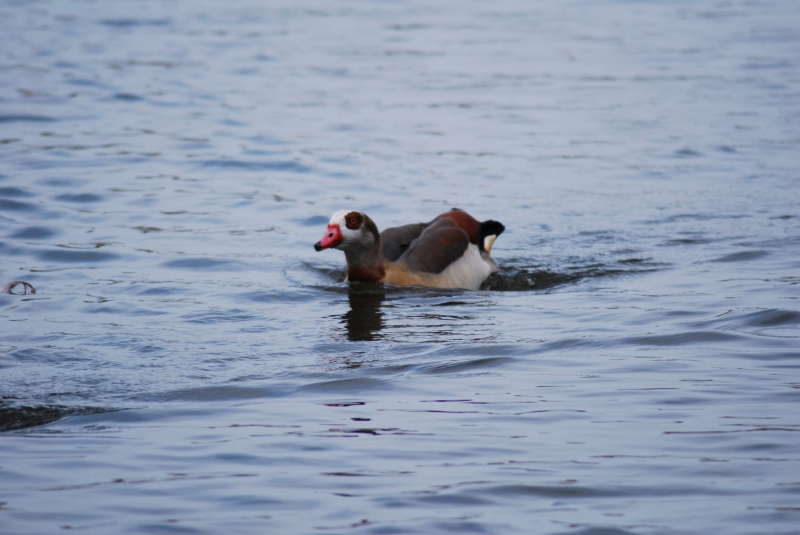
x: 190, y: 364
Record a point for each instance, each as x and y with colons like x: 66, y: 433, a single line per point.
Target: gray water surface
x: 189, y: 363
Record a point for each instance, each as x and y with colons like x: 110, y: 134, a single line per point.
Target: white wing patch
x: 467, y: 272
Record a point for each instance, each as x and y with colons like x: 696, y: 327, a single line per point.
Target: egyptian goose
x: 452, y: 251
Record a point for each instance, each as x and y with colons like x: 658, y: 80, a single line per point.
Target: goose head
x: 350, y: 231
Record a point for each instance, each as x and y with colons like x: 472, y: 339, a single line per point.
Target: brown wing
x: 469, y: 224
x: 438, y: 246
x: 477, y: 231
x: 397, y: 240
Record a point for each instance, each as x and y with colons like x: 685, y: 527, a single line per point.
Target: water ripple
x: 256, y: 166
x: 190, y: 363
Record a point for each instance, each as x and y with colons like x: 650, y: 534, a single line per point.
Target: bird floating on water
x: 452, y: 251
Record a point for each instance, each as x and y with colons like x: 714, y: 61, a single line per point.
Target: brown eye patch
x: 354, y: 220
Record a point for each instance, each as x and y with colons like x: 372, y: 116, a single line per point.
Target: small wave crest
x: 511, y: 278
x: 520, y: 279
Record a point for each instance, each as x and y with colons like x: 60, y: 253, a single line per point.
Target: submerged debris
x: 13, y: 418
x: 7, y: 288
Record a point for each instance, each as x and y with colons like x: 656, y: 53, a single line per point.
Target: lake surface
x: 189, y: 363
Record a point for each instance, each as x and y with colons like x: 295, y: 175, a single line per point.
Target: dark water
x: 189, y: 364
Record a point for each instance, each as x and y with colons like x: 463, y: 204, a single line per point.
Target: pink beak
x: 332, y: 238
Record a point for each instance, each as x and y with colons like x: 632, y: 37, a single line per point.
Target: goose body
x: 451, y: 251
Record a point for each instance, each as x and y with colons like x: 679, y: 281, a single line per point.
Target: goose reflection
x: 364, y: 320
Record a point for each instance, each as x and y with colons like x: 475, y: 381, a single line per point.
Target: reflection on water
x: 364, y: 320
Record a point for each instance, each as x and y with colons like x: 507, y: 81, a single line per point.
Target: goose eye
x: 352, y: 221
